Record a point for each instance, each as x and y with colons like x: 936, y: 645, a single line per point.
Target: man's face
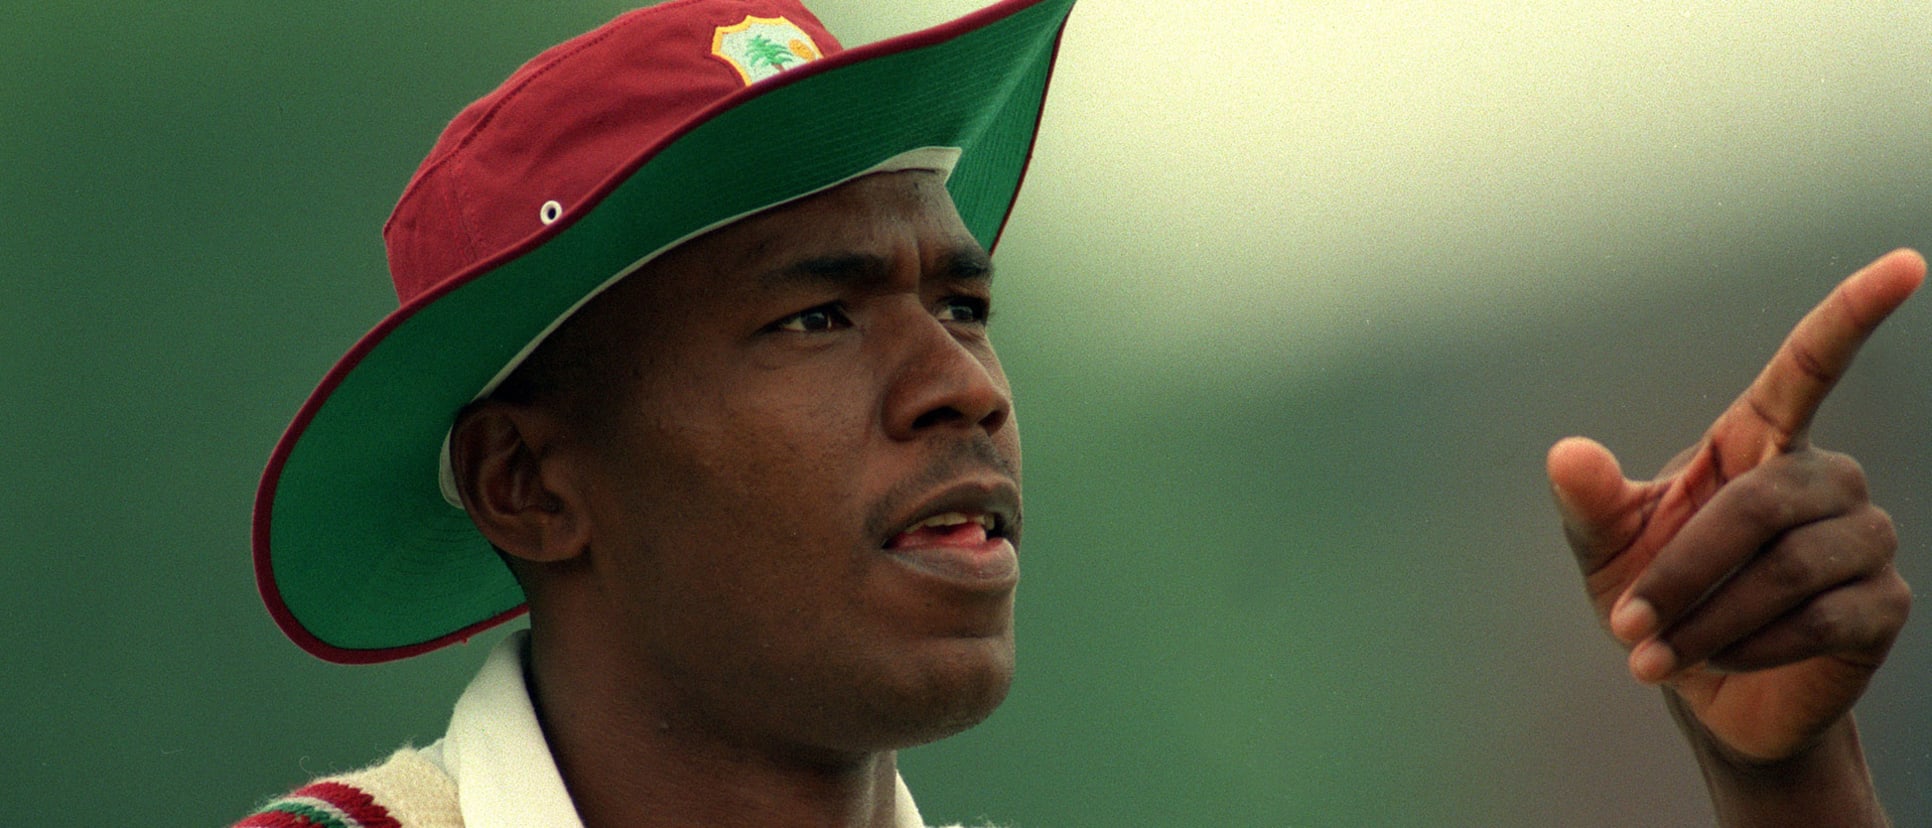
x: 805, y: 495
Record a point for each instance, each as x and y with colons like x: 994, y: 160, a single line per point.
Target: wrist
x: 1824, y: 783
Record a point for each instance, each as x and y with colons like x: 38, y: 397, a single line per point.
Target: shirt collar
x: 495, y: 751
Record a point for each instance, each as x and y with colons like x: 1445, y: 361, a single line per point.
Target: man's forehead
x: 841, y: 229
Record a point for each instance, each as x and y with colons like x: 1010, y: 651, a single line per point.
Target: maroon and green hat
x: 593, y: 158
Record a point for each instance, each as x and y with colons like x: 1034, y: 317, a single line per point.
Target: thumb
x: 1594, y: 500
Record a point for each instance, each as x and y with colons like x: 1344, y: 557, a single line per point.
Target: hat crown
x: 544, y: 145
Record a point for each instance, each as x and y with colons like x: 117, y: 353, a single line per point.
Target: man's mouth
x: 966, y: 537
x: 961, y: 529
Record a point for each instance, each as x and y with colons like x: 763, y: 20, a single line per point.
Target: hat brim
x: 358, y: 555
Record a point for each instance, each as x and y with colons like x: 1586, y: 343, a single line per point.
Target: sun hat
x: 591, y: 159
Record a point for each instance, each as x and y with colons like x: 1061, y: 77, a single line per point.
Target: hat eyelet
x: 549, y: 212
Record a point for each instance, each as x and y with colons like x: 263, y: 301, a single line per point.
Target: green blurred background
x: 1295, y: 299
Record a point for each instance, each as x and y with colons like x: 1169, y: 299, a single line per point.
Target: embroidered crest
x: 760, y: 47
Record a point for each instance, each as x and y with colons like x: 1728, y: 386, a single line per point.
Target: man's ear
x: 514, y: 485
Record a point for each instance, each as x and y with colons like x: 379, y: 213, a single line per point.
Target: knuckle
x: 1790, y: 572
x: 1815, y: 468
x: 1765, y: 500
x: 1897, y: 600
x: 1879, y: 530
x: 1861, y: 619
x: 1844, y: 473
x: 1820, y: 624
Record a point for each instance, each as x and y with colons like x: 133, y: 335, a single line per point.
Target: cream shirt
x: 496, y: 754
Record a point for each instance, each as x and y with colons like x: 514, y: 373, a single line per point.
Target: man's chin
x: 944, y: 696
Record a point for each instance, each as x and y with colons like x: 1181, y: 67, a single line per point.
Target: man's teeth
x: 941, y: 521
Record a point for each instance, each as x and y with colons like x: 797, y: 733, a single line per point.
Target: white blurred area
x: 1304, y: 180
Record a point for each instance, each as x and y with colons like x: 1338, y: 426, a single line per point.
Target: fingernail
x: 1632, y: 620
x: 1652, y: 661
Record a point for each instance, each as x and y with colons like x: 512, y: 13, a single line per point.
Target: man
x: 693, y: 358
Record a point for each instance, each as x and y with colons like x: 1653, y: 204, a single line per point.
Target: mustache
x: 971, y: 457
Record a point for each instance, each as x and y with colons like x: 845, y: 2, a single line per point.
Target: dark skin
x: 1752, y: 578
x: 710, y: 483
x: 730, y: 623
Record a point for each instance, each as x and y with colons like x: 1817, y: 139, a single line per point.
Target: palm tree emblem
x: 760, y: 47
x: 763, y: 52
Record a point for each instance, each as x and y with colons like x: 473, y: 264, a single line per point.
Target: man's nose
x: 941, y: 383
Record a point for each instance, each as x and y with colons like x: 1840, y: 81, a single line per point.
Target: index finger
x: 1774, y: 413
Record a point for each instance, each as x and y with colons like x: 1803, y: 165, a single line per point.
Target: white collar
x: 496, y: 753
x: 495, y: 750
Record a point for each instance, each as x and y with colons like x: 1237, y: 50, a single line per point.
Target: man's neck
x: 626, y: 764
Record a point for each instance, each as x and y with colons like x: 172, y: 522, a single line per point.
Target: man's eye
x: 964, y: 309
x: 814, y: 320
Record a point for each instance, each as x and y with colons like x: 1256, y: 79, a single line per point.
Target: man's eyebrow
x: 832, y: 270
x: 850, y: 269
x: 967, y: 264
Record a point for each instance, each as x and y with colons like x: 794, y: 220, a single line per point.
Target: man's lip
x: 990, y: 566
x: 995, y: 496
x: 992, y: 563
